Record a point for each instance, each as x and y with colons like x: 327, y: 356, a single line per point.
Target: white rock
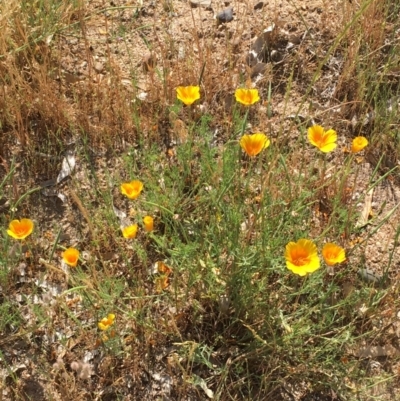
x: 201, y: 3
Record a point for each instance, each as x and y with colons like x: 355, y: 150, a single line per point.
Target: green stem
x: 244, y: 121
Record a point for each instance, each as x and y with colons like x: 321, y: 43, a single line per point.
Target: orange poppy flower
x: 130, y: 231
x: 188, y: 94
x: 247, y: 96
x: 325, y: 141
x: 333, y: 254
x: 71, y: 256
x: 106, y: 322
x: 20, y: 229
x: 254, y: 144
x: 302, y: 257
x: 148, y: 222
x: 132, y: 189
x: 358, y: 144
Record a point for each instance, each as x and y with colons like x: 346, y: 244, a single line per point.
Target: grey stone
x: 369, y: 276
x: 225, y: 15
x: 258, y: 69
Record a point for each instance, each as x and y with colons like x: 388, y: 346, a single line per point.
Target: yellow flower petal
x: 254, y: 144
x: 132, y: 189
x: 130, y: 231
x: 325, y: 141
x: 20, y: 229
x: 188, y: 94
x: 333, y: 254
x: 247, y: 96
x: 102, y: 326
x: 106, y: 322
x: 148, y: 222
x: 358, y: 144
x: 302, y: 257
x: 71, y: 256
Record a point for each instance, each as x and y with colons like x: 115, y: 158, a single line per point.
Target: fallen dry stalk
x: 84, y: 212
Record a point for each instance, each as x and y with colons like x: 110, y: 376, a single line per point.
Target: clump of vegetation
x: 197, y: 239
